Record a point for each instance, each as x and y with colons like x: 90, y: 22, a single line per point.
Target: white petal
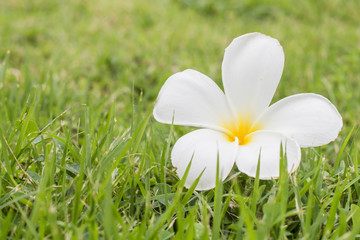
x: 193, y: 99
x: 310, y: 119
x: 267, y: 144
x: 251, y: 70
x: 203, y: 147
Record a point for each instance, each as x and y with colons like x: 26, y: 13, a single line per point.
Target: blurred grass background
x: 95, y: 49
x: 104, y: 62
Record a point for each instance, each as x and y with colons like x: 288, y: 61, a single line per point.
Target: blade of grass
x: 217, y: 202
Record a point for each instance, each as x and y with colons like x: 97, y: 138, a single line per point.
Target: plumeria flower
x: 239, y: 126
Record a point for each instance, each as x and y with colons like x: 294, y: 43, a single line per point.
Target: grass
x: 82, y: 157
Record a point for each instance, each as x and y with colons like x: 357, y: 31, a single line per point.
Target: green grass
x: 82, y: 157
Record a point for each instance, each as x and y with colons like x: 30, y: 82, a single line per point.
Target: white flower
x: 239, y: 126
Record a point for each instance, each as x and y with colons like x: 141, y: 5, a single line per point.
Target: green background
x: 82, y: 157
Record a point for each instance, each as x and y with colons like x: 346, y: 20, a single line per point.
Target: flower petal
x: 203, y: 147
x: 310, y: 119
x: 192, y: 99
x: 266, y: 144
x: 251, y: 70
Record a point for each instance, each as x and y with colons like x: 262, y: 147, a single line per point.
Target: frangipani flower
x: 239, y: 126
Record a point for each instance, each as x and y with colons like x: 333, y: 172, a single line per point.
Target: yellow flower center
x: 242, y: 130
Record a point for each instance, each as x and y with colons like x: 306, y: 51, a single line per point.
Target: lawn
x: 83, y: 158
